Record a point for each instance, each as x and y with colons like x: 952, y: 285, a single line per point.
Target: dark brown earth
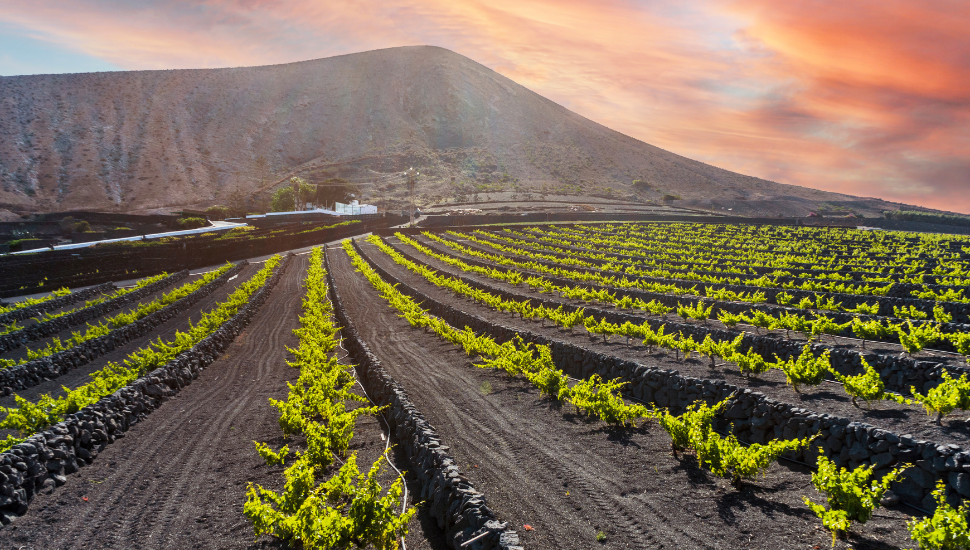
x: 826, y: 398
x: 567, y: 477
x: 178, y: 479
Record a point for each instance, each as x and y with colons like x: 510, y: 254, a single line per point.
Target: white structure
x: 354, y: 208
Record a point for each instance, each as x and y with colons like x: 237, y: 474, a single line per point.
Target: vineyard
x: 615, y: 385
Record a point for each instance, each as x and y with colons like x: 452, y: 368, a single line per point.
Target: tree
x: 283, y: 200
x: 303, y: 192
x: 333, y: 190
x: 217, y: 212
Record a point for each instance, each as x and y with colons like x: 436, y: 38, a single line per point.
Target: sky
x: 864, y: 97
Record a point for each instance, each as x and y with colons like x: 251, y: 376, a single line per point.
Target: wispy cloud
x: 868, y: 98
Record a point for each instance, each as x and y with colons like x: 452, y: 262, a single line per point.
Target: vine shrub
x: 914, y: 339
x: 682, y: 428
x: 724, y: 456
x: 601, y: 399
x: 850, y: 495
x: 28, y: 418
x: 346, y: 510
x: 946, y: 529
x: 806, y: 369
x: 869, y: 330
x: 867, y: 386
x: 351, y: 508
x: 948, y: 396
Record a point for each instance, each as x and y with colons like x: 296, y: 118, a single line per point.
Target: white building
x: 354, y: 208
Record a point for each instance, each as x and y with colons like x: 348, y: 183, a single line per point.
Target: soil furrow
x: 826, y: 398
x: 620, y: 476
x: 563, y: 475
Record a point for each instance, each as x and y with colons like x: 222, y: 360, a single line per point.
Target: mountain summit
x: 141, y: 140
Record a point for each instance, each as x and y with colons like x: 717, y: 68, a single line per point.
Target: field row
x: 661, y: 387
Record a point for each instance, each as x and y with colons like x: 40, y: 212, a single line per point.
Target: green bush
x: 283, y: 200
x: 945, y: 398
x: 849, y: 494
x: 946, y: 529
x: 191, y: 223
x: 806, y: 369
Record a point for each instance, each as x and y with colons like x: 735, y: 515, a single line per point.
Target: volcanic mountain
x: 144, y: 140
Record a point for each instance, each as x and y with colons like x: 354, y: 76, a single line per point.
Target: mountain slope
x: 140, y: 140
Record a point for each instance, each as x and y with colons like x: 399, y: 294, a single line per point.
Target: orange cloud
x: 869, y: 98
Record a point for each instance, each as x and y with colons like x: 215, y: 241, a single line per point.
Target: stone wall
x: 960, y: 311
x: 457, y: 507
x: 50, y: 367
x: 754, y: 417
x: 41, y: 462
x: 49, y: 328
x: 56, y: 303
x: 898, y: 373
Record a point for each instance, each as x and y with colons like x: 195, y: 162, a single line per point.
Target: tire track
x: 158, y: 509
x: 172, y: 467
x: 512, y: 444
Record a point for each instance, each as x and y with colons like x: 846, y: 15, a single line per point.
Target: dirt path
x: 569, y: 478
x: 177, y: 480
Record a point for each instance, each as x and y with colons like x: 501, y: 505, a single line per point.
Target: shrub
x: 914, y: 339
x: 283, y: 200
x: 730, y: 320
x: 217, y: 212
x: 909, y: 312
x: 750, y: 363
x: 866, y: 309
x: 868, y: 386
x: 191, y: 223
x: 680, y: 428
x: 945, y: 398
x: 600, y: 398
x: 961, y: 341
x: 869, y: 330
x: 849, y: 494
x: 941, y: 315
x: 946, y: 529
x: 784, y: 298
x: 727, y: 457
x: 807, y: 369
x: 760, y: 319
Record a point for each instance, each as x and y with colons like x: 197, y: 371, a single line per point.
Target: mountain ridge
x: 155, y: 140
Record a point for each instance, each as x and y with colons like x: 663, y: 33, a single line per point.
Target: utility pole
x: 412, y: 176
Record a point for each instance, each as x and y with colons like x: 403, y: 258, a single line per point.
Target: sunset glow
x: 866, y: 98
